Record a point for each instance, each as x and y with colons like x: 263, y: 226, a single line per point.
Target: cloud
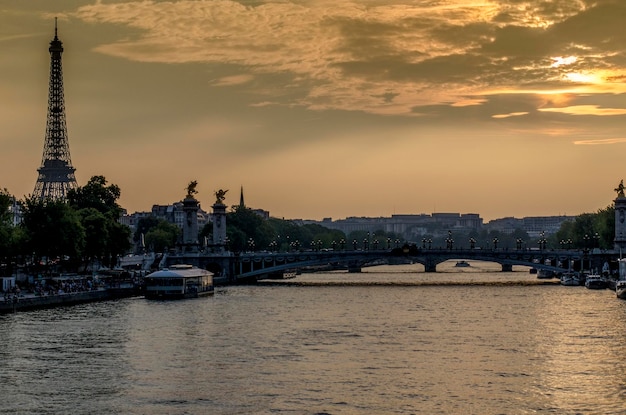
x: 512, y: 114
x: 232, y: 80
x: 601, y: 141
x: 586, y: 110
x: 379, y: 56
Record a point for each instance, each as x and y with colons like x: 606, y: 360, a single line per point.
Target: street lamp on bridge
x: 495, y: 243
x: 542, y: 241
x: 449, y: 240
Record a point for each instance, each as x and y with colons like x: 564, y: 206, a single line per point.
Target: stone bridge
x: 250, y: 266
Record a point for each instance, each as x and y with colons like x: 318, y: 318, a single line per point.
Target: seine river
x: 460, y: 341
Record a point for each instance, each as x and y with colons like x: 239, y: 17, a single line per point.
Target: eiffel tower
x: 56, y: 174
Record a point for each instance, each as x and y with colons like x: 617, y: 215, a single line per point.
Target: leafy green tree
x: 96, y: 227
x: 145, y: 225
x: 588, y: 230
x: 5, y: 223
x: 96, y: 202
x: 53, y: 230
x: 243, y: 225
x: 162, y: 236
x: 97, y: 195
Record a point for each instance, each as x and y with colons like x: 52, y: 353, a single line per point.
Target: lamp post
x: 495, y: 243
x: 472, y: 243
x: 542, y: 241
x: 449, y: 241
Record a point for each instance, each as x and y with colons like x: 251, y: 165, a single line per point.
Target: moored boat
x: 620, y: 289
x: 178, y: 281
x: 570, y: 279
x: 595, y: 282
x: 620, y: 284
x: 462, y: 264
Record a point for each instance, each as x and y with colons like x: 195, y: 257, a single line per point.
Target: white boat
x: 620, y: 284
x: 620, y: 289
x: 570, y: 279
x: 595, y: 282
x: 178, y: 281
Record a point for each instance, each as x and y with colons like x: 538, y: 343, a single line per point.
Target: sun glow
x: 583, y: 78
x: 561, y: 61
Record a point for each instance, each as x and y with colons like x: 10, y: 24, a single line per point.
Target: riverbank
x: 404, y: 283
x: 25, y: 302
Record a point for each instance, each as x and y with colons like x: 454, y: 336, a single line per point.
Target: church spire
x: 241, y: 203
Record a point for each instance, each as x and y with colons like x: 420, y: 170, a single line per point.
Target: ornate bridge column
x: 354, y: 267
x: 430, y: 265
x: 219, y: 226
x: 620, y: 219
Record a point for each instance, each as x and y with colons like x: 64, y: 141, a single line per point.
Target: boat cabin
x: 178, y: 281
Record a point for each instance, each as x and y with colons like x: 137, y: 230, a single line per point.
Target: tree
x: 243, y: 225
x: 162, y: 236
x: 144, y: 225
x: 106, y: 238
x: 588, y: 230
x: 5, y: 222
x: 96, y: 194
x: 53, y: 230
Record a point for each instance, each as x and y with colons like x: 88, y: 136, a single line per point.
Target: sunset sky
x: 327, y: 108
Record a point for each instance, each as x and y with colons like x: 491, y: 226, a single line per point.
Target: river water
x: 459, y: 341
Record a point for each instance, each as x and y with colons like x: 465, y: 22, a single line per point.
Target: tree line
x: 64, y: 235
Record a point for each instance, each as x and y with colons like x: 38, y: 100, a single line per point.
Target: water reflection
x: 473, y: 347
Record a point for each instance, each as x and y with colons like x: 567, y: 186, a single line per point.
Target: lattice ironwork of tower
x: 56, y: 174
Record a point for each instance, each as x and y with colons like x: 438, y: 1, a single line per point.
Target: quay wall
x: 31, y: 302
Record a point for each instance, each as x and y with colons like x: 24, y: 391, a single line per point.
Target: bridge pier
x: 507, y: 268
x: 430, y: 265
x: 354, y: 267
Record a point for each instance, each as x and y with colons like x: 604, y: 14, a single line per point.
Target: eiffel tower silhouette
x: 56, y: 174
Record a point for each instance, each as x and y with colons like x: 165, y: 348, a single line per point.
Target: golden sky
x: 327, y: 108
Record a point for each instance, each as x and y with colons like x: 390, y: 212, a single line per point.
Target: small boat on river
x: 570, y: 279
x: 595, y: 282
x: 620, y: 284
x: 177, y: 282
x: 462, y: 264
x: 620, y: 289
